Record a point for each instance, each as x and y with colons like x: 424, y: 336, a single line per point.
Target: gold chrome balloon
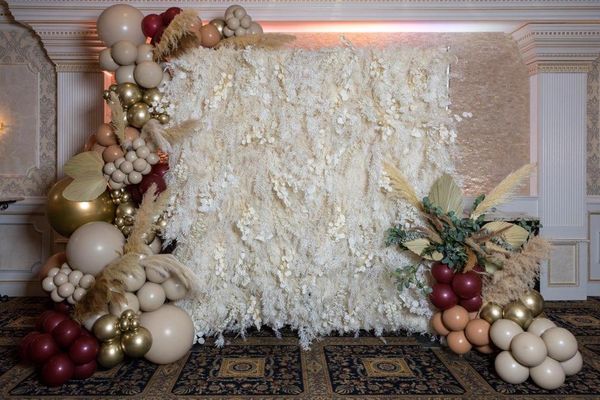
x: 65, y: 216
x: 517, y: 312
x: 491, y: 312
x: 113, y: 88
x: 106, y: 94
x: 534, y: 301
x: 126, y: 211
x: 164, y: 118
x: 137, y: 342
x: 110, y: 354
x: 138, y: 114
x: 152, y: 96
x: 219, y: 24
x: 106, y: 327
x: 129, y: 94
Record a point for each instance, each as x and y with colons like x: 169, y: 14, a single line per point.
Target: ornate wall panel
x: 593, y: 130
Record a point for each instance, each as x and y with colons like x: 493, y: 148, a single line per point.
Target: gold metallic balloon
x: 106, y: 327
x: 534, y: 301
x: 126, y: 230
x: 152, y: 96
x: 220, y: 24
x: 164, y: 118
x: 112, y: 88
x: 124, y: 324
x: 119, y: 222
x: 125, y: 210
x: 129, y: 93
x: 128, y: 314
x: 65, y: 216
x: 106, y: 94
x: 136, y: 343
x: 517, y: 312
x: 491, y: 312
x: 138, y: 114
x: 110, y: 353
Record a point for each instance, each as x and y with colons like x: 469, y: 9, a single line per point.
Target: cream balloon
x: 548, y: 375
x: 131, y: 303
x: 156, y: 247
x: 172, y: 333
x: 145, y: 52
x: 148, y: 74
x: 174, y: 289
x: 528, y: 349
x: 573, y: 365
x: 93, y: 246
x: 540, y: 325
x: 89, y: 322
x: 124, y: 74
x: 106, y: 61
x: 156, y: 275
x: 561, y: 343
x: 503, y: 331
x: 509, y: 369
x: 124, y: 52
x: 120, y: 22
x: 134, y: 279
x: 151, y: 296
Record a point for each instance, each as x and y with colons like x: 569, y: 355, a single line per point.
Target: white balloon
x: 106, y: 61
x: 573, y: 365
x: 148, y: 74
x: 66, y: 289
x: 174, y: 289
x: 540, y: 325
x: 120, y: 22
x: 124, y: 52
x: 55, y: 296
x: 155, y: 275
x: 86, y: 281
x: 172, y: 333
x: 145, y: 52
x: 156, y: 247
x: 151, y: 296
x: 60, y: 278
x: 528, y: 349
x: 78, y: 294
x: 548, y: 375
x: 89, y: 322
x: 135, y: 279
x: 53, y: 271
x: 131, y: 303
x: 503, y: 331
x: 93, y: 246
x: 71, y: 300
x: 75, y: 277
x: 125, y: 74
x: 509, y: 369
x: 561, y: 343
x: 48, y: 284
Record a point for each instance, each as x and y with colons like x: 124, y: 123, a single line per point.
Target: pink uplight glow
x: 382, y: 26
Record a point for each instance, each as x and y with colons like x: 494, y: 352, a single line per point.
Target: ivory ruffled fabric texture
x: 280, y: 205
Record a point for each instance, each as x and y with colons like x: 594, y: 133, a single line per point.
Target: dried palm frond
x: 401, y: 186
x: 504, y: 190
x: 261, y: 41
x: 117, y: 116
x: 518, y: 273
x: 179, y: 36
x: 446, y: 194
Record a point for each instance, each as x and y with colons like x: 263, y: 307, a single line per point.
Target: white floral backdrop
x: 280, y: 204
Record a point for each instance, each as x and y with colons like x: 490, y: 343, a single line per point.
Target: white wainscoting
x: 593, y: 267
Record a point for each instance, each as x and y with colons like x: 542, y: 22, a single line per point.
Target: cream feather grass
x: 261, y: 41
x: 401, y: 185
x: 179, y: 36
x: 117, y: 116
x: 504, y: 190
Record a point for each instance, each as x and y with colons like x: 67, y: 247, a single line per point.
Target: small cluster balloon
x: 462, y: 330
x: 237, y: 22
x: 545, y: 352
x: 61, y: 347
x: 130, y: 168
x: 66, y: 284
x: 455, y: 288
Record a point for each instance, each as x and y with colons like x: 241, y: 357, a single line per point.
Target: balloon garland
x: 112, y: 208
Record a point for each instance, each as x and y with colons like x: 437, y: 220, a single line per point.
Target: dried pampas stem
x: 518, y: 273
x: 179, y: 36
x: 117, y: 116
x: 142, y: 225
x: 504, y: 190
x: 156, y: 132
x: 178, y: 132
x: 261, y: 41
x: 401, y: 186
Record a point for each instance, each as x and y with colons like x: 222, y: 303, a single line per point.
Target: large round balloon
x: 172, y: 333
x: 65, y: 215
x: 120, y: 22
x: 509, y: 369
x: 93, y: 246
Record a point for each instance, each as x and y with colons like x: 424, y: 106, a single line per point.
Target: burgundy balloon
x: 39, y: 325
x: 159, y: 169
x: 84, y: 349
x: 151, y: 23
x: 24, y: 346
x: 168, y: 15
x: 84, y: 371
x: 41, y: 348
x: 478, y: 268
x: 467, y: 285
x: 66, y: 332
x: 57, y: 370
x: 473, y: 304
x: 63, y: 308
x: 158, y: 35
x: 442, y: 296
x: 52, y: 321
x: 442, y: 273
x: 149, y: 179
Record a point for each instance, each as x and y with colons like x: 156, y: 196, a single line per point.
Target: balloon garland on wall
x: 122, y: 286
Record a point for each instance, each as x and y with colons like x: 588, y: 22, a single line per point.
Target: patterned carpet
x: 266, y: 367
